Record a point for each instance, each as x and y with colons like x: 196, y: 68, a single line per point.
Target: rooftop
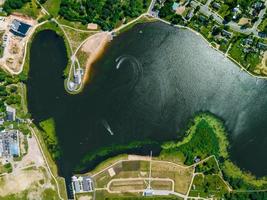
x: 19, y: 28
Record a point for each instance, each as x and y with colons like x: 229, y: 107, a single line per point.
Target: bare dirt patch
x: 14, y: 50
x: 244, y: 21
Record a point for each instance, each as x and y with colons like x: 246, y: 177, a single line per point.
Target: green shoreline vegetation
x: 206, y: 139
x: 50, y: 155
x: 50, y: 137
x: 208, y: 134
x: 111, y: 150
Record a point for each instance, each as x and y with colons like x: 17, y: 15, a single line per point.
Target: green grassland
x: 52, y: 6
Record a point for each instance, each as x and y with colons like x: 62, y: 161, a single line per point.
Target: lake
x: 147, y: 85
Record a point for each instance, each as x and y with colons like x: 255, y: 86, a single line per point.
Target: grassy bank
x: 47, y: 139
x: 112, y: 150
x: 143, y: 19
x: 50, y: 137
x: 207, y: 136
x: 47, y: 25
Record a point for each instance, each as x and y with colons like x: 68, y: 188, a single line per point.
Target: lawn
x: 77, y: 37
x: 248, y: 60
x: 224, y: 10
x: 180, y: 175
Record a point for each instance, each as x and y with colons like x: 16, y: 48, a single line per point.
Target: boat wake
x: 136, y: 67
x: 107, y: 127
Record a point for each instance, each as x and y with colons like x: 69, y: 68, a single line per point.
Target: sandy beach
x: 94, y: 47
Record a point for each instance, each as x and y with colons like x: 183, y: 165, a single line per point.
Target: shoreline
x: 94, y: 47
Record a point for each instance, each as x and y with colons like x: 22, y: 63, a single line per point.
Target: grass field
x: 180, y: 175
x: 52, y: 6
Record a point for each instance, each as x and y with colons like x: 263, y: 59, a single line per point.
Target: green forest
x: 11, y: 5
x: 106, y: 13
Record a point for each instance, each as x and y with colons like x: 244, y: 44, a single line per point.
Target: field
x: 180, y: 175
x: 130, y: 176
x: 52, y: 6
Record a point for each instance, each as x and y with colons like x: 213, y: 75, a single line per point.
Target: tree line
x: 106, y: 13
x: 11, y: 5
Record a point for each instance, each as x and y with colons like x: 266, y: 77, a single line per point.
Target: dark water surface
x: 150, y: 81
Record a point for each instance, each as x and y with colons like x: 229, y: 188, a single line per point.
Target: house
x: 2, y: 121
x: 11, y: 113
x: 248, y: 41
x: 197, y: 159
x: 175, y: 6
x: 258, y: 5
x: 190, y: 14
x: 202, y: 18
x: 216, y: 5
x: 262, y: 46
x: 262, y: 34
x: 226, y: 33
x: 19, y: 28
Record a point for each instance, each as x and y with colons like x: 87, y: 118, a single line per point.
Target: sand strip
x: 94, y: 47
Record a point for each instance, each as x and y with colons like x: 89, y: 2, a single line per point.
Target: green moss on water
x: 112, y: 150
x: 49, y: 134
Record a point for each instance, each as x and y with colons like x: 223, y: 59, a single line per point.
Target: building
x: 203, y: 19
x: 11, y: 113
x: 258, y: 5
x: 2, y: 121
x: 148, y: 193
x: 19, y: 28
x: 190, y: 14
x: 216, y: 5
x: 226, y: 33
x: 87, y: 184
x: 262, y: 46
x: 197, y: 159
x: 82, y: 184
x: 9, y: 144
x: 76, y: 185
x: 175, y: 6
x: 248, y: 41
